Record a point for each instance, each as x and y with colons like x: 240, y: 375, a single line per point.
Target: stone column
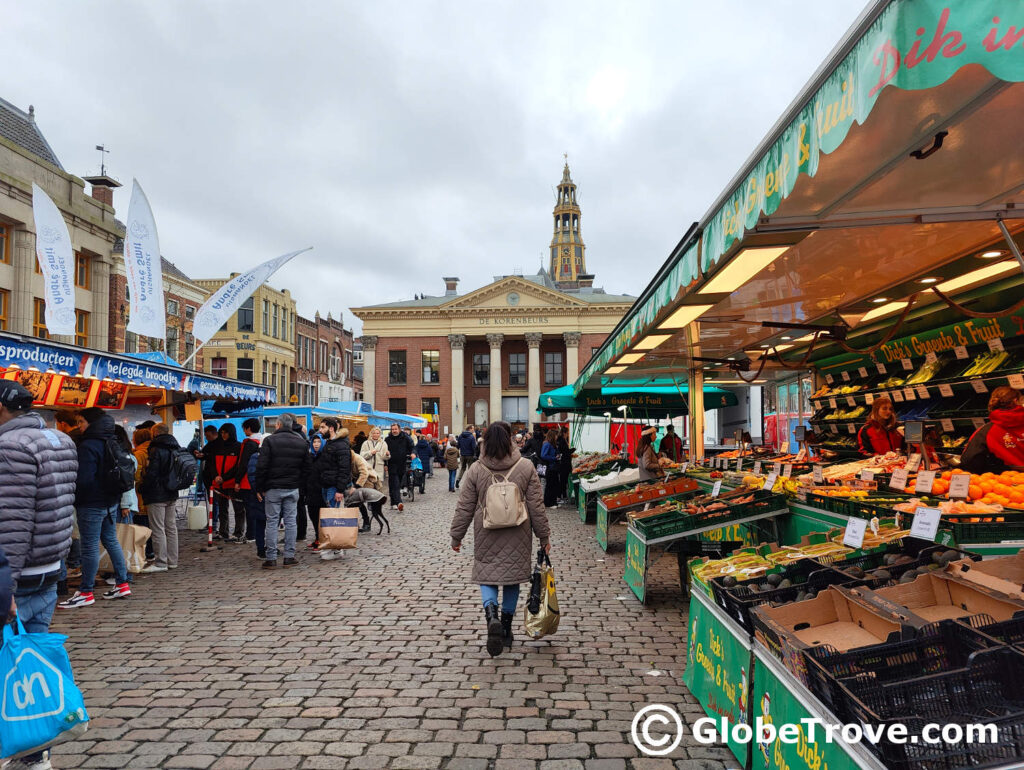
x: 369, y: 368
x: 572, y: 356
x: 494, y: 410
x: 533, y: 340
x: 99, y: 327
x: 457, y: 343
x: 23, y: 261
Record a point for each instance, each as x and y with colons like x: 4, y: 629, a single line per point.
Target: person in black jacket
x: 565, y: 453
x: 161, y: 500
x: 334, y: 463
x: 401, y: 447
x: 282, y: 466
x: 425, y: 453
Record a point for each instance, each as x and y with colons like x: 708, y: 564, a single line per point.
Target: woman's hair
x: 374, y: 428
x: 876, y: 408
x: 498, y: 440
x: 229, y: 428
x: 552, y: 436
x: 646, y: 439
x: 122, y: 438
x: 141, y: 436
x: 1003, y: 397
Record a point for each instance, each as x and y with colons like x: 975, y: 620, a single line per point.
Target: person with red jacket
x: 225, y: 486
x: 880, y: 434
x: 250, y: 446
x: 1006, y: 437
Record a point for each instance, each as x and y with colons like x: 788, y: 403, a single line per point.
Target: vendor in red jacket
x: 880, y: 434
x: 1006, y: 436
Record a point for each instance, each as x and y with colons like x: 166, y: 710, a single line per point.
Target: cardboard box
x: 1004, y: 574
x: 939, y: 596
x: 839, y: 617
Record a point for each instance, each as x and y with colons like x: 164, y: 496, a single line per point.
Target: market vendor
x: 880, y: 433
x: 998, y: 445
x: 646, y: 457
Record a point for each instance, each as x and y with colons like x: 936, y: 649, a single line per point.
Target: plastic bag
x: 541, y: 615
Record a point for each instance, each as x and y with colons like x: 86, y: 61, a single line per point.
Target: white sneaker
x: 149, y: 569
x: 112, y: 581
x: 329, y: 555
x: 20, y: 764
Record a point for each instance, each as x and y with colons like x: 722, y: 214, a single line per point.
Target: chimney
x: 103, y: 188
x: 586, y: 280
x: 449, y: 286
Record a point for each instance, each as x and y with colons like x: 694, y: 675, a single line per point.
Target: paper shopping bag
x: 132, y: 538
x: 339, y: 528
x: 541, y: 615
x: 41, y: 704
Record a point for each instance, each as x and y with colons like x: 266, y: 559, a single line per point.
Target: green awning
x: 651, y: 400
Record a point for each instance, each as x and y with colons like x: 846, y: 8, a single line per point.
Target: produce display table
x: 605, y: 518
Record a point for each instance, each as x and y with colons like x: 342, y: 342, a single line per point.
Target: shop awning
x: 654, y: 400
x: 368, y: 414
x: 896, y: 159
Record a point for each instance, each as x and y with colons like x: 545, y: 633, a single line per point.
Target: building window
x: 517, y: 370
x: 429, y: 405
x: 5, y: 298
x: 431, y: 366
x: 172, y: 342
x: 335, y: 374
x: 322, y: 363
x: 131, y: 342
x: 396, y: 405
x: 273, y: 326
x: 245, y: 316
x: 190, y: 345
x: 245, y: 369
x: 173, y: 308
x: 266, y: 316
x: 190, y: 312
x: 5, y: 244
x: 273, y: 375
x: 39, y: 319
x: 266, y: 369
x: 482, y: 369
x: 219, y: 367
x: 396, y: 367
x: 81, y: 270
x: 82, y: 328
x: 552, y: 368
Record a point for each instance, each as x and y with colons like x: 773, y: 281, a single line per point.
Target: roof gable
x: 526, y: 294
x: 20, y: 128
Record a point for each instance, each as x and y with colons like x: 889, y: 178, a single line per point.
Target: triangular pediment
x: 513, y: 292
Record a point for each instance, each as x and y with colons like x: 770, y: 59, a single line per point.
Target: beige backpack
x: 504, y: 505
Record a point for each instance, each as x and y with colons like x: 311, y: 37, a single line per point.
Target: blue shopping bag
x: 41, y: 704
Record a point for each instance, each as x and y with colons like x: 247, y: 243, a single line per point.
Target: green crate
x: 1011, y: 528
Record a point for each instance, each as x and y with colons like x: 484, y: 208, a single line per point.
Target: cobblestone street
x: 376, y: 661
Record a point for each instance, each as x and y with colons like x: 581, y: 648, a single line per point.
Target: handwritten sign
x: 832, y: 403
x: 899, y: 479
x: 863, y: 372
x: 930, y: 357
x: 908, y: 394
x: 846, y: 376
x: 777, y: 468
x: 867, y: 475
x: 1016, y: 381
x: 926, y: 523
x: 716, y: 488
x: 828, y: 379
x: 757, y: 468
x: 851, y: 428
x: 897, y: 396
x: 907, y: 366
x: 881, y: 368
x: 961, y: 352
x: 869, y: 397
x: 947, y: 424
x: 787, y: 470
x: 769, y: 483
x: 819, y: 474
x: 854, y: 535
x: 850, y: 401
x: 922, y: 392
x: 925, y: 482
x: 996, y: 345
x: 913, y: 463
x: 784, y: 449
x: 739, y: 464
x: 946, y: 391
x: 979, y: 386
x: 959, y: 485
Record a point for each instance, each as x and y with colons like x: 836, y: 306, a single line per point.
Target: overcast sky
x: 407, y: 141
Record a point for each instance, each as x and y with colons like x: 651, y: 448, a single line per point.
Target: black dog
x: 370, y: 501
x: 377, y: 510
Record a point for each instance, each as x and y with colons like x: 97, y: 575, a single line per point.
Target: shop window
x: 5, y: 244
x: 429, y: 405
x: 517, y: 370
x: 245, y: 313
x: 82, y: 328
x: 482, y: 369
x: 82, y: 264
x: 552, y: 368
x: 396, y: 405
x: 396, y: 367
x: 219, y: 367
x: 5, y: 300
x: 245, y: 369
x: 431, y: 360
x: 173, y: 308
x: 39, y: 319
x: 515, y: 409
x: 266, y: 316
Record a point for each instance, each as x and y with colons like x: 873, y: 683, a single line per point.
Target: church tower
x: 568, y: 254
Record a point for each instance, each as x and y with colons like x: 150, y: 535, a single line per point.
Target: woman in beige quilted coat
x: 501, y: 557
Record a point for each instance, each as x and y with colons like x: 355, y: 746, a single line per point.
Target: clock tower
x: 568, y: 254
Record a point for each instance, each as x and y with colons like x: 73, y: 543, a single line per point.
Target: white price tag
x: 869, y: 397
x: 867, y: 475
x: 832, y: 403
x: 854, y: 535
x: 996, y: 345
x: 930, y: 357
x: 907, y: 366
x: 716, y: 488
x: 863, y: 371
x: 777, y: 468
x: 834, y: 428
x: 899, y: 479
x: 819, y: 474
x: 922, y: 392
x: 828, y: 379
x: 925, y: 481
x: 947, y: 425
x: 881, y: 368
x: 685, y: 466
x: 926, y: 523
x: 909, y: 395
x: 851, y: 428
x: 946, y: 391
x: 784, y: 449
x: 897, y: 396
x: 787, y: 470
x: 739, y: 464
x: 959, y: 485
x: 960, y: 351
x: 1016, y: 381
x: 757, y: 468
x: 850, y: 401
x: 913, y: 463
x: 977, y: 422
x: 979, y: 386
x: 769, y: 482
x: 846, y: 376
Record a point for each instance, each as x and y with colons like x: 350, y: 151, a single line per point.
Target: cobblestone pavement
x: 376, y: 660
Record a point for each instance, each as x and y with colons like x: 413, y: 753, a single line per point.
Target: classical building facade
x: 489, y: 354
x: 324, y: 362
x: 26, y: 157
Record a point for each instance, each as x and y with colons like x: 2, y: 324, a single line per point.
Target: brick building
x: 490, y: 353
x: 324, y: 362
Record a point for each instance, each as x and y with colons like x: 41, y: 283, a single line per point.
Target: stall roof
x: 660, y: 400
x: 897, y: 159
x: 354, y: 409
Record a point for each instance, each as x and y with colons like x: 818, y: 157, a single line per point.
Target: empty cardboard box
x: 1004, y: 574
x: 938, y: 596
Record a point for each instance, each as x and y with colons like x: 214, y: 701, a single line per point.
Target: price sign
x: 817, y: 405
x: 769, y: 482
x: 1016, y: 381
x: 846, y: 376
x: 834, y: 428
x: 757, y: 468
x: 716, y: 488
x: 739, y: 464
x: 819, y: 474
x: 947, y: 425
x: 996, y: 345
x: 960, y: 351
x: 926, y: 523
x: 899, y: 479
x: 979, y: 386
x: 867, y: 475
x: 913, y: 431
x: 832, y: 403
x: 922, y: 392
x: 925, y: 481
x: 828, y: 379
x: 913, y: 463
x: 959, y: 485
x: 897, y: 396
x: 854, y: 535
x: 787, y: 470
x: 907, y: 366
x: 851, y: 428
x: 946, y: 391
x: 869, y: 397
x: 777, y: 468
x: 863, y: 371
x: 800, y: 433
x: 909, y: 395
x: 784, y: 449
x: 685, y: 466
x: 930, y: 357
x: 881, y: 368
x: 850, y: 401
x: 977, y: 422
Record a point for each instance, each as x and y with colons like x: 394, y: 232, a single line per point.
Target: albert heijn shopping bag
x: 41, y: 704
x: 339, y: 528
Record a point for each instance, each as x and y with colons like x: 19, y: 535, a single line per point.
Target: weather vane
x: 103, y: 150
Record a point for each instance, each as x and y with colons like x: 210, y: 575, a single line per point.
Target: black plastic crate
x: 1006, y: 749
x: 920, y: 550
x: 1006, y: 631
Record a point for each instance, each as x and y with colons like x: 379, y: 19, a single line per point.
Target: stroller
x: 415, y: 478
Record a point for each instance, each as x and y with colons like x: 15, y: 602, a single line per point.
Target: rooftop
x: 20, y: 128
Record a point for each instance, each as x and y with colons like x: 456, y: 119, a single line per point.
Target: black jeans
x: 225, y: 520
x: 551, y: 485
x: 396, y: 476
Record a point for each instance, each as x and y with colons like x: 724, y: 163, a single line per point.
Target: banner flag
x: 148, y: 316
x: 223, y: 303
x: 56, y: 261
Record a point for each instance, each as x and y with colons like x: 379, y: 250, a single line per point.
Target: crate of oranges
x: 1005, y: 489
